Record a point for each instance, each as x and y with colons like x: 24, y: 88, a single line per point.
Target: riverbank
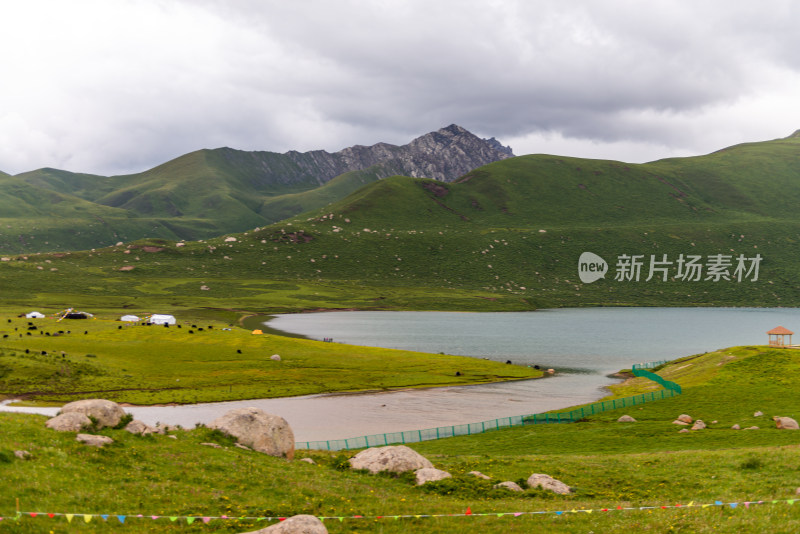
x: 337, y: 416
x: 193, y: 362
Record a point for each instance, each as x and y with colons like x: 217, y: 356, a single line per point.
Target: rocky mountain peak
x: 449, y: 153
x: 446, y: 154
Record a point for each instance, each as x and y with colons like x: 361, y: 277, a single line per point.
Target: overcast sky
x: 117, y: 86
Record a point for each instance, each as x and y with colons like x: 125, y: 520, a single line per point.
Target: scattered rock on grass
x: 626, y: 419
x: 394, y: 458
x: 214, y: 445
x: 308, y: 461
x: 786, y: 423
x: 298, y: 524
x: 68, y: 422
x: 479, y: 475
x: 678, y: 422
x: 685, y: 418
x: 430, y: 474
x: 758, y: 414
x: 22, y: 455
x: 105, y: 412
x: 549, y: 483
x: 140, y: 428
x: 736, y: 427
x: 93, y: 440
x: 258, y: 430
x: 698, y: 425
x: 509, y: 485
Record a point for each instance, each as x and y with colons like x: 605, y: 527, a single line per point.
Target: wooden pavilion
x: 777, y: 337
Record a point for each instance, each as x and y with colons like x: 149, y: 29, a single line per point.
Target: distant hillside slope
x: 711, y: 230
x: 211, y: 192
x: 20, y: 199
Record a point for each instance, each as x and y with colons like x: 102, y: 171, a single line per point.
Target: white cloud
x: 112, y: 87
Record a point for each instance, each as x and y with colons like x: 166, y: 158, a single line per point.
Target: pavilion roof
x: 779, y: 330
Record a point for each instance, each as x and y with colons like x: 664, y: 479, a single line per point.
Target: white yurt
x: 129, y: 318
x: 158, y: 318
x: 35, y: 315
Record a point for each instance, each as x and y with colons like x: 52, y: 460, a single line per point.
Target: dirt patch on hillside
x: 292, y: 237
x: 436, y: 189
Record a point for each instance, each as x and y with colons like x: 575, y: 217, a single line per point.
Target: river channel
x: 583, y: 345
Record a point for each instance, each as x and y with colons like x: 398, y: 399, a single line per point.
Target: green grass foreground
x: 46, y: 360
x: 609, y: 465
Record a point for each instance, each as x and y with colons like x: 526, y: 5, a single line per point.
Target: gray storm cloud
x: 120, y: 87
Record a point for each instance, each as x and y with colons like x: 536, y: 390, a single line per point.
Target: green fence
x: 641, y: 369
x: 671, y: 389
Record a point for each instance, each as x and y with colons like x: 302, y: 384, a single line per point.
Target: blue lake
x: 585, y: 340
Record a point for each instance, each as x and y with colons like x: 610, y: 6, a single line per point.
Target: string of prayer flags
x: 467, y: 513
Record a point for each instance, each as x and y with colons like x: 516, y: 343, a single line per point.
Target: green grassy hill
x: 288, y: 205
x: 199, y: 195
x: 507, y: 235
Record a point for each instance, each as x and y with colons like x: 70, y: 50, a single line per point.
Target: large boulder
x: 549, y: 483
x: 260, y: 431
x: 786, y: 423
x: 430, y: 474
x: 394, y: 458
x: 105, y: 412
x: 69, y: 422
x: 685, y: 418
x: 298, y: 524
